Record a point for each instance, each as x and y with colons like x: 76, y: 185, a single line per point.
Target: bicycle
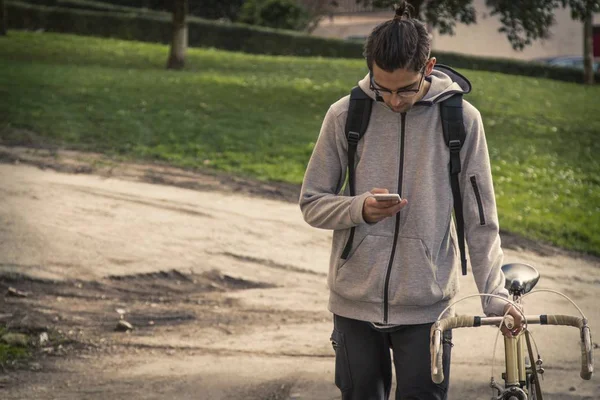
x: 522, y: 377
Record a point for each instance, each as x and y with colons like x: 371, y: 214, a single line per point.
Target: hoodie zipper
x: 478, y: 197
x: 397, y: 227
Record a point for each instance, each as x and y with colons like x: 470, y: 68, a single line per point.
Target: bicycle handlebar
x: 587, y: 365
x: 436, y: 349
x: 440, y: 326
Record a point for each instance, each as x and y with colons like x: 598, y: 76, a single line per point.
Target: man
x: 401, y: 269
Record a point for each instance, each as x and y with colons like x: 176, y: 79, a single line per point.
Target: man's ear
x: 430, y: 65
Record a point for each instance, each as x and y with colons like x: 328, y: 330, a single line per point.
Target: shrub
x: 156, y: 27
x: 211, y: 9
x: 278, y: 14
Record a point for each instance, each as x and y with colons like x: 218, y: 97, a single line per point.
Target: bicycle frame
x: 517, y: 378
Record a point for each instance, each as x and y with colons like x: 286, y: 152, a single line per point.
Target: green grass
x: 10, y: 353
x: 260, y: 115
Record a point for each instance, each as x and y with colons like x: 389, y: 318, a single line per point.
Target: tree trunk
x: 3, y: 27
x: 417, y: 5
x: 179, y: 41
x: 588, y: 50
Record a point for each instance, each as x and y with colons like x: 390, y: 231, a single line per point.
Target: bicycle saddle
x: 520, y: 278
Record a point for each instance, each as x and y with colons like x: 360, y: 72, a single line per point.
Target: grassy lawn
x: 259, y: 116
x: 11, y: 353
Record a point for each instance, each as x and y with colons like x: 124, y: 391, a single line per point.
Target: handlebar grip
x: 462, y: 321
x: 437, y: 369
x: 565, y: 320
x: 587, y: 363
x: 436, y: 348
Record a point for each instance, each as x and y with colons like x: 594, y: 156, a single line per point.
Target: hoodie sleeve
x: 480, y: 215
x: 320, y: 202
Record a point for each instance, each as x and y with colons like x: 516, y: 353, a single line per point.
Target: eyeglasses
x: 404, y: 93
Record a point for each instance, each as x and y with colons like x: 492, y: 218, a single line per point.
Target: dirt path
x: 222, y: 280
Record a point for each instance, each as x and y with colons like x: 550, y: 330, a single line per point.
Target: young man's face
x: 401, y: 88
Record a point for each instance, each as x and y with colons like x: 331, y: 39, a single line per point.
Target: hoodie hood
x: 444, y: 82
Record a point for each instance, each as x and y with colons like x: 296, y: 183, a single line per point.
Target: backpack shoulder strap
x: 357, y: 121
x: 454, y: 135
x: 359, y: 113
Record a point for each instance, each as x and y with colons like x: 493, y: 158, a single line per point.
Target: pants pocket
x: 343, y: 378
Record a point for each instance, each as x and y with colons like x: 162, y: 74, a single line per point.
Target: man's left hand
x: 518, y: 322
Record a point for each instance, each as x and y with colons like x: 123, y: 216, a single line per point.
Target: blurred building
x: 352, y: 21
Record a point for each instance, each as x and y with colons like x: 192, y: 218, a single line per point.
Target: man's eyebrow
x: 400, y: 88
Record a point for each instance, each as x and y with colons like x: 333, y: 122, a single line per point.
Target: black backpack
x: 359, y: 113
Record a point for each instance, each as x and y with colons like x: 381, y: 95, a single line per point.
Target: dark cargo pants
x: 363, y: 369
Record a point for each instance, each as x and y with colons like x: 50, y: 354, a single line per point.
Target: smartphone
x: 387, y: 197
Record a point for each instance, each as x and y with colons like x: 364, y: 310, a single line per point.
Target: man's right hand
x: 375, y: 211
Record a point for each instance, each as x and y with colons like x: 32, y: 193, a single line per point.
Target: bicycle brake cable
x: 560, y: 294
x: 538, y: 389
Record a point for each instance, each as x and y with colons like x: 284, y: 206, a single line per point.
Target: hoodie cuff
x: 496, y: 306
x: 356, y: 208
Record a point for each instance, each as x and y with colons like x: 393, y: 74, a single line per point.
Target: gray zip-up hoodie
x: 404, y: 269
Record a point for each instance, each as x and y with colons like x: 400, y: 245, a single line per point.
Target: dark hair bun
x: 402, y: 11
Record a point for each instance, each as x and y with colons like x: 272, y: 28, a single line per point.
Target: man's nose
x: 395, y: 100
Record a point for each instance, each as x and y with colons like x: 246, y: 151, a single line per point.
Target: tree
x: 583, y: 10
x: 588, y: 50
x: 179, y: 40
x: 3, y: 27
x: 441, y: 14
x: 317, y: 10
x: 522, y: 21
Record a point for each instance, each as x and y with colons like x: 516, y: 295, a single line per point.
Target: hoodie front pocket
x: 361, y: 276
x: 412, y: 279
